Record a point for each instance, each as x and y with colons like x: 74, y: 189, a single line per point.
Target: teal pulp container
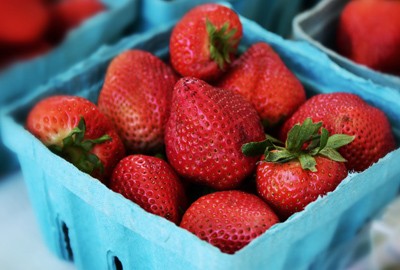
x: 84, y: 221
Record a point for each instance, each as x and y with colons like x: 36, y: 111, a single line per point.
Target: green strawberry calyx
x: 77, y: 150
x: 304, y: 141
x: 222, y: 43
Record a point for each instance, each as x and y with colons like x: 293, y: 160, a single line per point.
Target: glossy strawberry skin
x: 262, y: 78
x: 345, y: 113
x: 205, y: 132
x: 288, y: 188
x: 368, y: 33
x: 53, y: 118
x: 152, y: 184
x: 136, y: 96
x: 228, y: 220
x: 189, y: 42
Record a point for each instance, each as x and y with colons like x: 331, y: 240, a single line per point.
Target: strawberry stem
x: 222, y: 43
x: 304, y: 141
x: 77, y: 150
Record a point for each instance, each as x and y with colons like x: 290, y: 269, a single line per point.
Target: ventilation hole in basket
x: 117, y: 264
x: 69, y: 254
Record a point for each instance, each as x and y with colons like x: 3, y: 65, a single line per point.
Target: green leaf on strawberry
x: 258, y: 148
x: 304, y: 142
x: 222, y: 43
x: 76, y: 149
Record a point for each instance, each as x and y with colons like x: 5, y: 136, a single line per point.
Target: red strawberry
x: 75, y: 129
x: 205, y: 132
x: 228, y: 220
x: 152, y: 184
x: 369, y: 34
x: 22, y: 21
x: 309, y: 166
x: 136, y: 96
x: 204, y: 41
x: 263, y: 79
x: 68, y: 14
x: 348, y: 114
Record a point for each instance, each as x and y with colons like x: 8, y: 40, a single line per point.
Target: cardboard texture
x: 81, y: 219
x: 21, y: 78
x: 318, y: 27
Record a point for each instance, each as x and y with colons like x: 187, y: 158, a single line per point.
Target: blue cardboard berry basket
x: 21, y: 78
x: 318, y: 27
x: 82, y: 220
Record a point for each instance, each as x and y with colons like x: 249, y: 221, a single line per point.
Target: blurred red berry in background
x: 30, y: 28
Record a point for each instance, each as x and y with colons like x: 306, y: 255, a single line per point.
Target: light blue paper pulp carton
x: 82, y: 220
x: 21, y: 78
x: 318, y: 27
x: 274, y: 15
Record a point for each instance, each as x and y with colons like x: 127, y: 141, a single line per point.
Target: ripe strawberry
x: 348, y: 114
x: 309, y: 166
x: 263, y: 79
x: 152, y: 184
x: 75, y: 129
x: 228, y: 220
x: 22, y: 21
x: 205, y: 132
x: 68, y: 14
x: 136, y: 96
x: 369, y: 34
x: 204, y: 41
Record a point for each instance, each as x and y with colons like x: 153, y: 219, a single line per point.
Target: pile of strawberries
x: 225, y: 146
x: 30, y: 28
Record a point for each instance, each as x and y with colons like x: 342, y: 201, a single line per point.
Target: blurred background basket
x: 318, y: 27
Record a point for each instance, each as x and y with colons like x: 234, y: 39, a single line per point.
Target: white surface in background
x: 21, y: 244
x: 385, y: 238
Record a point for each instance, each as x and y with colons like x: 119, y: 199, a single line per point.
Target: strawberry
x: 69, y: 14
x: 205, y: 132
x: 75, y: 129
x: 308, y: 166
x: 204, y: 42
x: 151, y: 183
x: 228, y: 220
x: 348, y: 114
x: 369, y: 34
x: 22, y: 22
x: 263, y: 79
x: 136, y: 96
